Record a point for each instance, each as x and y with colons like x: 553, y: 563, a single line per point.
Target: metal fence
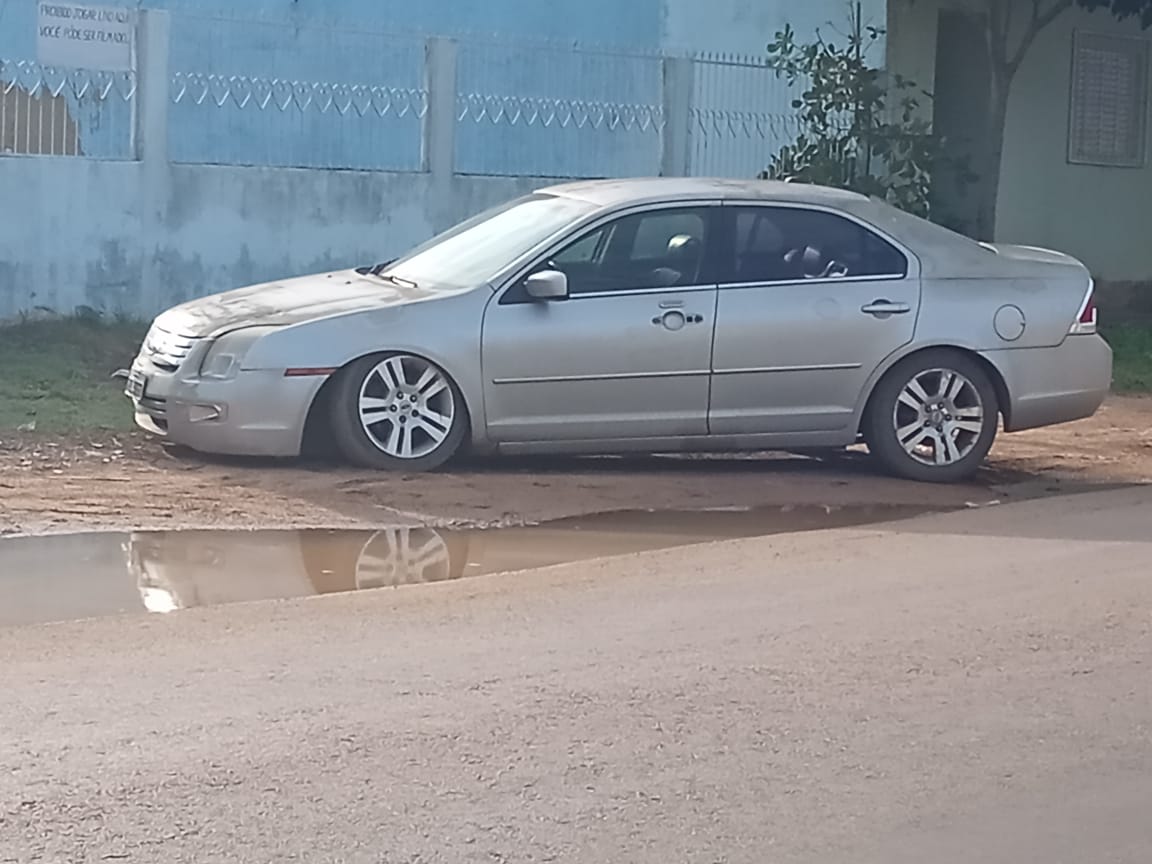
x: 267, y: 93
x: 557, y: 111
x: 742, y: 115
x: 244, y: 120
x: 263, y: 93
x: 45, y: 111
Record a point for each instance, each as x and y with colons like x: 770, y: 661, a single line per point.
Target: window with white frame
x: 1108, y: 121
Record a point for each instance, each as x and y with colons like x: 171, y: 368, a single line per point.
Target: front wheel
x: 933, y: 417
x: 397, y: 412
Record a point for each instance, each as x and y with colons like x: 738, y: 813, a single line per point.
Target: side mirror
x: 547, y: 285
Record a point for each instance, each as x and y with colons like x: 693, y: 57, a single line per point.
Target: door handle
x: 671, y: 304
x: 885, y: 308
x: 675, y: 320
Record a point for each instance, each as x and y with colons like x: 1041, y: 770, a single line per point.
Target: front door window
x: 658, y: 249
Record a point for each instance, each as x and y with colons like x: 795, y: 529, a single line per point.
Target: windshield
x: 475, y: 251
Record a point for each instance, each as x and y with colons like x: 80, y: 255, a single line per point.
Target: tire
x: 923, y: 403
x: 397, y: 412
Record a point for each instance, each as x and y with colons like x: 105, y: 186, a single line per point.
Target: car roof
x: 644, y: 190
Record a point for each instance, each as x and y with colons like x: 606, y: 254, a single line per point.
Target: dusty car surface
x: 643, y: 315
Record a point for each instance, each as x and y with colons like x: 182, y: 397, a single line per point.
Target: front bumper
x: 257, y: 413
x: 1054, y: 385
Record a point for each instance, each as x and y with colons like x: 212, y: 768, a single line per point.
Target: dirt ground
x: 128, y: 481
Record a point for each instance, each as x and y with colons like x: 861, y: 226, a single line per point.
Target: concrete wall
x: 748, y: 26
x: 1099, y: 214
x: 737, y: 26
x: 380, y: 43
x: 635, y: 23
x: 137, y: 236
x: 92, y: 233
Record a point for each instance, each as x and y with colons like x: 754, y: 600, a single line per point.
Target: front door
x: 810, y: 304
x: 627, y: 355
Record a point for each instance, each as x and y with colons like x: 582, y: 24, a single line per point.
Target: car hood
x: 289, y: 301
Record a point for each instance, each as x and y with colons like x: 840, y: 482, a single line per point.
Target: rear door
x: 810, y: 302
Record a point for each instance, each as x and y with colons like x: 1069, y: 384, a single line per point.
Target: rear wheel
x: 933, y: 417
x: 397, y: 412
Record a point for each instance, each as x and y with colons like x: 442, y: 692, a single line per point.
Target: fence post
x: 678, y: 93
x: 438, y: 148
x: 152, y: 86
x: 151, y: 134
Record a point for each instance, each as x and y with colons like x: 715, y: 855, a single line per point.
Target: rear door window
x: 787, y: 244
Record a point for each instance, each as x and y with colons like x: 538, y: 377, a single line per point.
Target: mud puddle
x: 61, y: 578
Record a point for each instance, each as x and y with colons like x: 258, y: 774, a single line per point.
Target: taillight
x: 1086, y: 319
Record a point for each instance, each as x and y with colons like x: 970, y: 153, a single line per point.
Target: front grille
x: 167, y: 350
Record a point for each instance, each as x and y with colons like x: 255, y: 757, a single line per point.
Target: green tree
x: 857, y: 130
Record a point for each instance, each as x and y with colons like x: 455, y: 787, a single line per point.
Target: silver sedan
x: 651, y: 315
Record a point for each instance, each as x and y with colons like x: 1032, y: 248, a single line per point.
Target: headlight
x: 226, y: 355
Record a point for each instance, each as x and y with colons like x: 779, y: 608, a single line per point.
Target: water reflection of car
x: 185, y: 569
x: 643, y: 315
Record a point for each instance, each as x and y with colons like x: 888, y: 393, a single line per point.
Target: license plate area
x: 137, y: 382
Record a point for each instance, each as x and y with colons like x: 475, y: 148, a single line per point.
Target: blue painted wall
x: 747, y: 26
x: 118, y: 236
x: 380, y: 44
x: 635, y: 23
x: 108, y: 236
x: 336, y: 83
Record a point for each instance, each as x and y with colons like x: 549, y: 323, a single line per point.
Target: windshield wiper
x: 378, y: 272
x: 377, y: 269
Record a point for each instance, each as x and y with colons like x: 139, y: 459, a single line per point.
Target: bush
x: 850, y: 136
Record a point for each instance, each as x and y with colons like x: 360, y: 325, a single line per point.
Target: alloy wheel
x: 406, y: 406
x: 939, y: 417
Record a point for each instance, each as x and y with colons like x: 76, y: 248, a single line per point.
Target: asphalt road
x: 966, y: 688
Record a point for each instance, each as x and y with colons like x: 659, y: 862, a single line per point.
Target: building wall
x: 748, y: 26
x: 911, y: 46
x: 536, y: 103
x: 143, y: 246
x: 633, y: 23
x: 137, y: 236
x: 737, y: 26
x: 1099, y: 214
x: 380, y: 43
